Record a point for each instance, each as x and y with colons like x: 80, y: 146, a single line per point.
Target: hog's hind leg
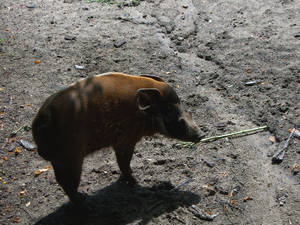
x: 67, y: 173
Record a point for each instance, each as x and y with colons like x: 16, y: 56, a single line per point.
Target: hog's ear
x: 147, y: 99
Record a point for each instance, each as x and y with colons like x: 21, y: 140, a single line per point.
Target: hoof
x: 128, y: 180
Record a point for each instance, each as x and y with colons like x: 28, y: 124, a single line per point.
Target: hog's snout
x: 199, y: 135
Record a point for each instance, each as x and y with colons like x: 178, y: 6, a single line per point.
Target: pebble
x: 297, y: 35
x: 209, y: 163
x: 69, y: 37
x: 281, y: 203
x: 221, y: 125
x: 30, y: 5
x: 27, y: 145
x: 222, y: 190
x: 118, y: 44
x: 160, y: 162
x: 79, y: 67
x: 179, y: 38
x: 253, y: 82
x: 12, y: 147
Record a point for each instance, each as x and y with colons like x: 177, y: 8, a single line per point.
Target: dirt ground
x: 207, y: 50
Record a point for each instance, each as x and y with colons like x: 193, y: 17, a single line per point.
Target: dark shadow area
x: 120, y: 204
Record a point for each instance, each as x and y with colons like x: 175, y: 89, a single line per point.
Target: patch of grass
x: 110, y: 2
x: 1, y: 40
x: 135, y: 2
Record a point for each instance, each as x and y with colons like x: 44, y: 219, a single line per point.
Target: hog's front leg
x: 124, y: 156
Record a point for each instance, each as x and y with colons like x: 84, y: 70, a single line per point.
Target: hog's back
x: 93, y: 113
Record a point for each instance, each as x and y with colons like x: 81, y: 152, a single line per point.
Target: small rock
x: 179, y: 38
x: 297, y: 133
x: 182, y: 49
x: 185, y: 6
x: 94, y: 170
x: 283, y: 107
x: 209, y: 163
x: 27, y: 145
x: 253, y: 82
x: 79, y: 67
x: 297, y: 35
x: 210, y: 191
x: 201, y: 214
x: 12, y: 147
x: 281, y: 203
x: 160, y: 162
x: 119, y: 43
x: 115, y: 172
x: 69, y: 37
x: 233, y: 155
x: 230, y: 122
x: 30, y: 5
x: 222, y: 190
x: 221, y: 125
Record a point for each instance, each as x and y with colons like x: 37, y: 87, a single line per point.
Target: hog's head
x: 167, y: 114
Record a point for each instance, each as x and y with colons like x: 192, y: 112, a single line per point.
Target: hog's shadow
x: 119, y: 204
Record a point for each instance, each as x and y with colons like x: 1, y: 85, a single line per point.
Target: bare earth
x: 207, y: 50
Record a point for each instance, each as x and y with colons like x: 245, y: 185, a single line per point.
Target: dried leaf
x: 5, y: 158
x: 40, y: 171
x: 36, y: 173
x: 247, y: 198
x: 292, y: 130
x: 17, y: 150
x: 8, y: 208
x: 2, y: 113
x: 22, y: 193
x: 272, y: 139
x: 11, y: 140
x: 208, y: 212
x: 264, y: 83
x: 232, y: 202
x: 295, y: 166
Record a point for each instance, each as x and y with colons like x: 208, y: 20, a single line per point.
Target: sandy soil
x: 206, y: 50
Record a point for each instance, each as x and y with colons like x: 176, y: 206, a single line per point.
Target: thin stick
x: 234, y: 134
x: 191, y: 144
x: 14, y: 133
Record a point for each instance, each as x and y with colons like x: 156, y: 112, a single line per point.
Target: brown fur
x: 94, y: 113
